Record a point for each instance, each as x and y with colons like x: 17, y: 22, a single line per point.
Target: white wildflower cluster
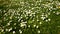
x: 38, y: 31
x: 20, y: 31
x: 1, y: 30
x: 34, y: 25
x: 40, y: 23
x: 57, y: 13
x: 29, y: 26
x: 10, y: 29
x: 48, y: 20
x: 13, y: 32
x: 43, y: 16
x: 23, y: 24
x: 27, y: 16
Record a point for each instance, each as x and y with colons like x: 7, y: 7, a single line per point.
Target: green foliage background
x: 50, y: 27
